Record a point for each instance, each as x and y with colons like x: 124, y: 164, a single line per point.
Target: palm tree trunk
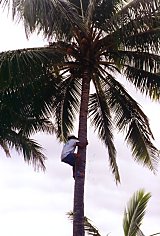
x: 78, y: 212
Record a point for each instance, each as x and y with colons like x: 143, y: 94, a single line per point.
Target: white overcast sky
x: 36, y: 203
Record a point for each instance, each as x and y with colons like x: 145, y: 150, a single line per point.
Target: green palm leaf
x: 134, y: 27
x: 101, y: 120
x: 31, y: 100
x: 145, y: 81
x: 15, y: 132
x: 141, y: 40
x: 32, y: 151
x: 142, y: 60
x: 66, y: 106
x: 141, y: 69
x: 54, y: 18
x: 5, y: 147
x: 135, y: 212
x: 143, y: 10
x: 29, y: 126
x: 131, y: 119
x: 105, y: 9
x: 36, y: 61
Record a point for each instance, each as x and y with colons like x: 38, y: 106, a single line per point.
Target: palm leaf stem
x: 82, y: 11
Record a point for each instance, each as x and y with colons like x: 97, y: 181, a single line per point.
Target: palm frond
x: 33, y: 100
x: 66, y: 106
x: 36, y: 61
x: 101, y: 119
x: 5, y: 148
x: 141, y: 9
x: 29, y: 106
x: 135, y: 212
x: 54, y: 18
x: 142, y: 60
x: 146, y: 82
x: 140, y: 68
x: 143, y: 151
x: 22, y: 112
x: 143, y: 36
x: 88, y: 226
x: 105, y: 9
x: 28, y: 126
x: 32, y: 151
x: 131, y: 119
x: 147, y: 41
x: 137, y: 29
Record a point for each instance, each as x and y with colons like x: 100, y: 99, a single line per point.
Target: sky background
x: 36, y: 203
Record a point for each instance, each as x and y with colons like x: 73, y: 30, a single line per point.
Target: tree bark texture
x: 78, y: 216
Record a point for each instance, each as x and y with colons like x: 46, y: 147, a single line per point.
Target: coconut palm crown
x: 97, y: 41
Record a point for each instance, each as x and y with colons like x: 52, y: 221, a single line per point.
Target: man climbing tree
x: 68, y: 156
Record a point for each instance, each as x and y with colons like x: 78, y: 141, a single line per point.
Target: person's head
x: 72, y: 136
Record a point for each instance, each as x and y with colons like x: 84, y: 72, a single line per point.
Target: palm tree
x: 90, y: 42
x: 132, y: 219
